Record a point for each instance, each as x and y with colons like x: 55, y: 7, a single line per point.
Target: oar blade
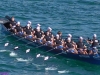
x: 6, y: 44
x: 16, y: 47
x: 28, y: 50
x: 46, y: 58
x: 38, y: 55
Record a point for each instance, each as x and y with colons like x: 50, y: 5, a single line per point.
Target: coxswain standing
x: 12, y: 24
x: 82, y: 49
x: 94, y: 44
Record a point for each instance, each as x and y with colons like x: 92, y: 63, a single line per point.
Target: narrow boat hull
x: 86, y: 58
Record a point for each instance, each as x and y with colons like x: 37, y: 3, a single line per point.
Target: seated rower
x: 58, y: 42
x: 82, y: 49
x: 48, y: 39
x: 60, y: 34
x: 39, y: 35
x: 70, y: 36
x: 29, y: 25
x: 18, y: 28
x: 50, y: 33
x: 70, y: 46
x: 29, y: 33
x: 38, y: 25
x: 94, y: 44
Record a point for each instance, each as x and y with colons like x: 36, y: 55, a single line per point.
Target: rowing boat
x: 86, y: 58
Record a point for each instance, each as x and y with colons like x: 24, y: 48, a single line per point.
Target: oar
x: 38, y: 55
x: 23, y: 45
x: 6, y: 44
x: 28, y: 50
x: 47, y: 57
x: 6, y: 37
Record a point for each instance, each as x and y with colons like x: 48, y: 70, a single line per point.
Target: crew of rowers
x: 47, y: 38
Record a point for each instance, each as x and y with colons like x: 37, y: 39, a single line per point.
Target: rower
x: 47, y: 39
x: 38, y: 25
x: 60, y: 35
x: 58, y: 42
x: 29, y: 26
x: 70, y: 46
x: 18, y: 28
x: 94, y: 44
x: 30, y: 23
x: 29, y: 34
x: 50, y: 32
x: 82, y: 49
x: 39, y: 35
x: 70, y: 36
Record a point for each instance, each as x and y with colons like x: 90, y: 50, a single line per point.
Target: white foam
x: 4, y: 51
x: 23, y: 60
x: 51, y: 68
x: 13, y: 54
x: 64, y: 71
x: 37, y: 65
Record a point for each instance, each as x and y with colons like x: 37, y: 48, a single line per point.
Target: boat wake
x: 63, y: 71
x: 51, y: 68
x: 13, y: 54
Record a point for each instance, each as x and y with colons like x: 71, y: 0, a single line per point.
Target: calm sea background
x: 78, y: 17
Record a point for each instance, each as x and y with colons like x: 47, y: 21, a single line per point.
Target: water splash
x: 63, y: 71
x: 51, y: 68
x: 23, y: 60
x: 13, y: 54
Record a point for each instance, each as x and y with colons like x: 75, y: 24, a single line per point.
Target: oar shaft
x: 18, y: 39
x: 7, y: 36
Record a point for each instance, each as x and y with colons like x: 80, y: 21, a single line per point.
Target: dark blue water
x: 78, y: 17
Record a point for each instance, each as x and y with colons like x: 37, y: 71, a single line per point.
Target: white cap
x: 49, y: 28
x: 69, y: 39
x: 29, y: 22
x: 38, y: 28
x: 81, y: 38
x: 69, y: 35
x: 57, y: 35
x: 94, y: 35
x: 38, y: 25
x: 18, y: 22
x: 28, y: 25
